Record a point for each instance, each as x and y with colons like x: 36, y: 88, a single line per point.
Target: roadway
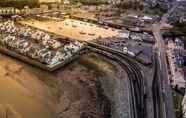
x: 163, y: 70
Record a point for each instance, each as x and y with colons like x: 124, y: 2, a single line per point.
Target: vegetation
x: 18, y: 3
x: 177, y: 103
x: 154, y: 11
x: 131, y: 5
x: 179, y: 30
x: 181, y: 26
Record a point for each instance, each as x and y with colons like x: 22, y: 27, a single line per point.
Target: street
x: 163, y: 73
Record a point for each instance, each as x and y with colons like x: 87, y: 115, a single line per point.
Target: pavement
x: 163, y: 72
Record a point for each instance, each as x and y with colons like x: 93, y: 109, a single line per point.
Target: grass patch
x: 177, y: 98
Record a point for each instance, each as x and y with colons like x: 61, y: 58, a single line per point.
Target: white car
x: 125, y: 50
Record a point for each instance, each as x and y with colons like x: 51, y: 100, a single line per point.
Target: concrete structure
x: 8, y: 11
x: 36, y: 10
x: 44, y: 7
x: 52, y: 4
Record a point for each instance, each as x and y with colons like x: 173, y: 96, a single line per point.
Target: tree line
x: 18, y: 3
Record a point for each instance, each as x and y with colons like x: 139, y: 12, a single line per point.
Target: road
x: 163, y: 70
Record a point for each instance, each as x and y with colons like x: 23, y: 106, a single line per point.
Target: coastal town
x: 93, y: 59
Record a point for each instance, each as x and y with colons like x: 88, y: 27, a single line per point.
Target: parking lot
x: 75, y: 29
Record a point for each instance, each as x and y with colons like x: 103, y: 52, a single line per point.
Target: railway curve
x: 135, y: 78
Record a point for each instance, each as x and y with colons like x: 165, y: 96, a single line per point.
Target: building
x: 49, y: 1
x: 44, y: 7
x: 51, y: 4
x: 4, y: 11
x: 175, y: 60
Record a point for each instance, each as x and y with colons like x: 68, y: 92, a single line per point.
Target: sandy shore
x: 71, y: 92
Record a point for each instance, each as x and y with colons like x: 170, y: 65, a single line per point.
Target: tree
x: 18, y: 3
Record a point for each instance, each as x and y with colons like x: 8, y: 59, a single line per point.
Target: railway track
x: 135, y: 78
x: 158, y: 99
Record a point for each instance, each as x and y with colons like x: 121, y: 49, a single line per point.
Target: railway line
x: 135, y: 78
x: 156, y: 90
